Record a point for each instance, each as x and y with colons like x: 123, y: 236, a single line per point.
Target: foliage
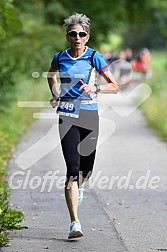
x: 139, y: 37
x: 8, y: 68
x: 36, y: 41
x: 9, y: 22
x: 114, y: 42
x: 122, y: 16
x: 3, y: 238
x: 51, y: 15
x: 9, y: 218
x: 151, y: 30
x: 5, y: 150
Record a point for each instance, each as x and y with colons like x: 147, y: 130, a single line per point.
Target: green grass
x: 9, y: 218
x: 14, y: 122
x: 155, y: 108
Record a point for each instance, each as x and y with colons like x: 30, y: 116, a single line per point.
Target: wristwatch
x: 97, y: 88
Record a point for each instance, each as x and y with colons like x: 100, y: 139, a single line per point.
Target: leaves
x: 3, y: 238
x: 9, y: 218
x: 8, y: 18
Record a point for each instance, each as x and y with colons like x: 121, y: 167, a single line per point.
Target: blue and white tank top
x: 72, y: 70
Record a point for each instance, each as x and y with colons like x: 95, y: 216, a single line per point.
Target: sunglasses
x: 75, y: 33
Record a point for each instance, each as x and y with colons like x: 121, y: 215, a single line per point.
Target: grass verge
x: 14, y: 122
x: 155, y: 107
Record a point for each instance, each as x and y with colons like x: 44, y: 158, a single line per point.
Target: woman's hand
x: 87, y: 88
x: 54, y: 101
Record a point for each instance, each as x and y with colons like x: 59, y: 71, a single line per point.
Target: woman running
x: 78, y: 68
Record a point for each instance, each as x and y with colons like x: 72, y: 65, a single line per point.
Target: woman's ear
x: 67, y: 37
x: 88, y: 36
x: 87, y: 39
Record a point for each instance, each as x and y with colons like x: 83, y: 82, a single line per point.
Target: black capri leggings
x: 78, y: 140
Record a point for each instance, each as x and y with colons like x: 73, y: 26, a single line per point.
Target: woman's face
x: 77, y: 37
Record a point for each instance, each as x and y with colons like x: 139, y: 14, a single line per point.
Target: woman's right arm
x: 52, y: 81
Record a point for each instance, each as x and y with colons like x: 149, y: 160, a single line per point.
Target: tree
x: 9, y: 22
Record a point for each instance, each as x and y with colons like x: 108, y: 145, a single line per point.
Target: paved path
x: 134, y: 151
x: 116, y: 214
x: 44, y: 205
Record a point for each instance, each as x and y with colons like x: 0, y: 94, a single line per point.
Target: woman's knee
x: 73, y: 173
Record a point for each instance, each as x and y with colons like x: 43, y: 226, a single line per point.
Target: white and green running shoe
x: 75, y: 230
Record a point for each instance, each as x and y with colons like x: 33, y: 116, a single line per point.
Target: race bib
x: 69, y: 108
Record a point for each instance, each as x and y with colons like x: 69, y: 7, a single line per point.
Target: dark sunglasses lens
x: 74, y: 34
x: 82, y: 34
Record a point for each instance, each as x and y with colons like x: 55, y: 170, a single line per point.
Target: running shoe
x: 80, y: 197
x: 75, y: 230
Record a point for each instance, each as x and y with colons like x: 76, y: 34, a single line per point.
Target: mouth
x: 77, y: 43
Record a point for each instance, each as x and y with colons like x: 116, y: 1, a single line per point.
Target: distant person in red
x: 143, y: 62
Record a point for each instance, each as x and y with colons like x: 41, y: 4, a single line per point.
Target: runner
x: 78, y: 67
x: 142, y: 63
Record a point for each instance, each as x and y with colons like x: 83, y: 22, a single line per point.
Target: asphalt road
x: 125, y: 203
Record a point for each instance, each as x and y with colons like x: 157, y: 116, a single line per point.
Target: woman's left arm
x: 111, y: 86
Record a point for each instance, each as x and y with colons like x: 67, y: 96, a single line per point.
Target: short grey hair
x: 77, y: 18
